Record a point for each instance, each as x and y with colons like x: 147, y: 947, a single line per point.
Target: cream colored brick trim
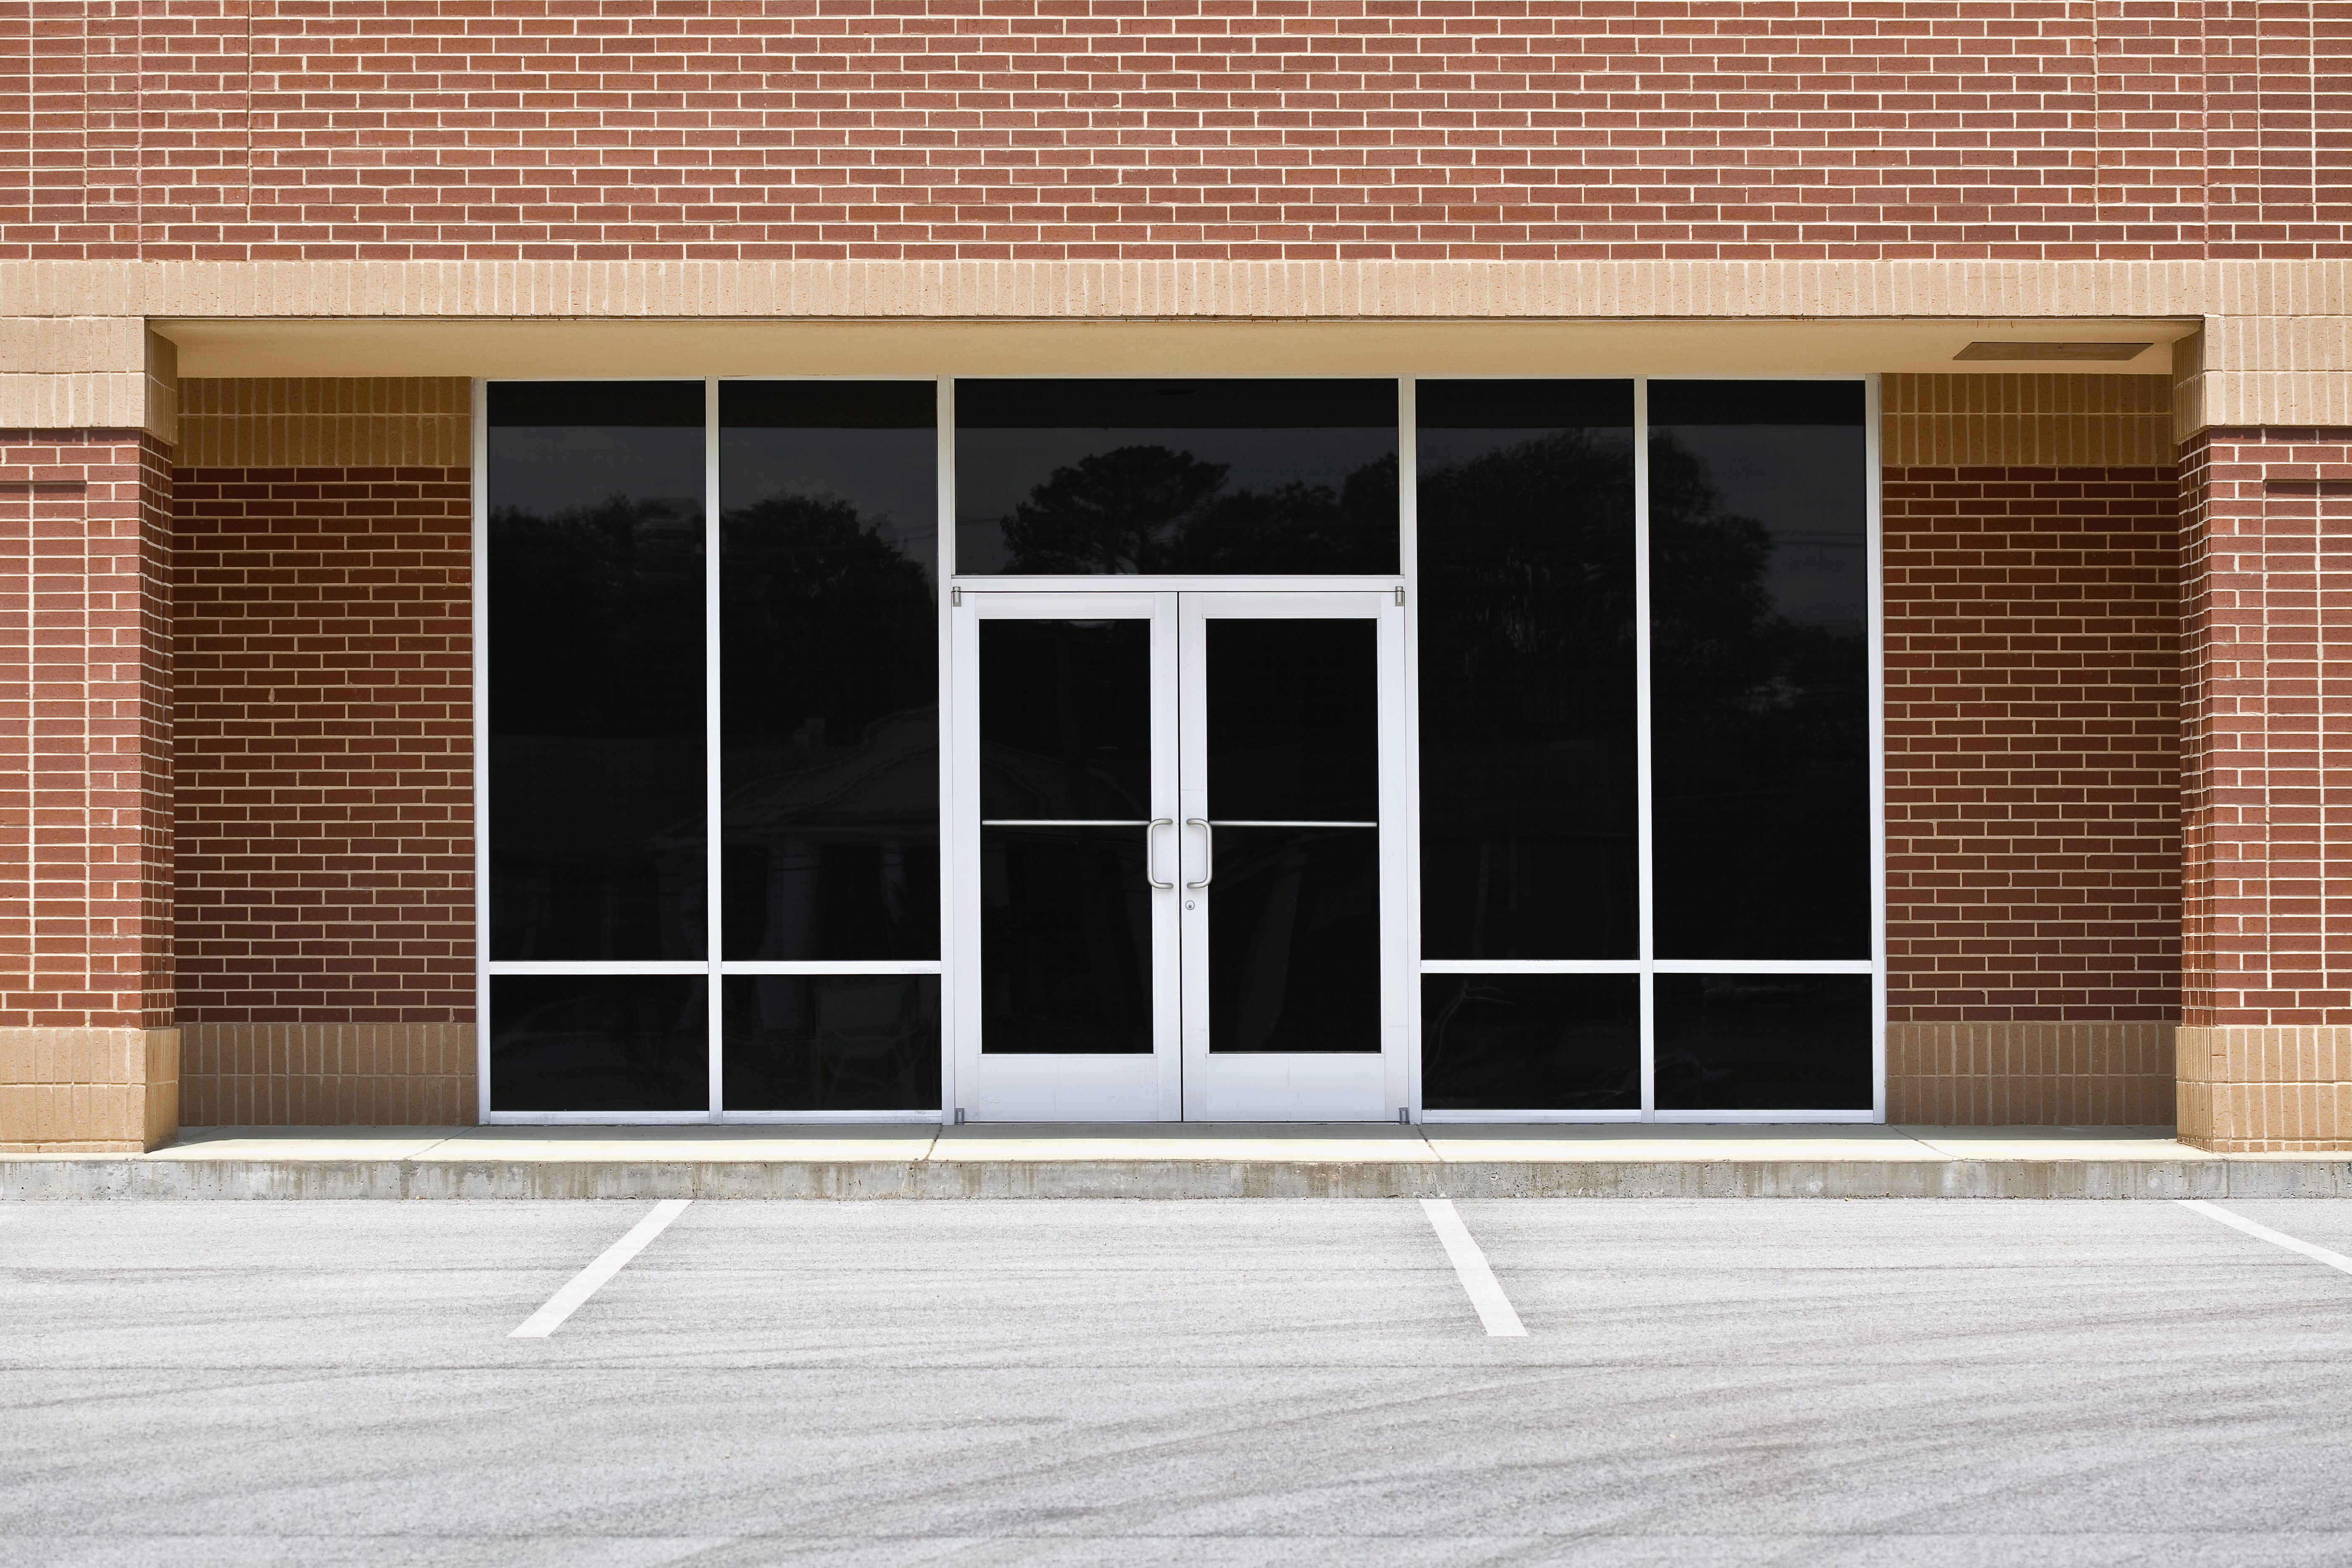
x: 1996, y: 1075
x: 2111, y: 421
x: 330, y: 1075
x: 2254, y: 1089
x: 87, y: 1091
x: 2264, y: 397
x: 388, y: 421
x: 1449, y: 290
x: 59, y: 373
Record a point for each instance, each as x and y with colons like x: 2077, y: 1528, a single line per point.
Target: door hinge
x: 1399, y: 598
x: 955, y: 597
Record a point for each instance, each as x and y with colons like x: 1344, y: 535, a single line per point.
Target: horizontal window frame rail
x: 503, y: 967
x: 1648, y: 966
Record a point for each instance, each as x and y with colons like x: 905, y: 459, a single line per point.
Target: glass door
x: 1180, y: 873
x: 1294, y: 864
x: 1065, y: 849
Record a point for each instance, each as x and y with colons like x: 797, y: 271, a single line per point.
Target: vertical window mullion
x: 949, y: 981
x: 1643, y: 815
x: 1407, y: 560
x: 1875, y: 564
x: 480, y: 455
x: 713, y: 740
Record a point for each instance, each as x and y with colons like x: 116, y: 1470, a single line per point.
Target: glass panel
x: 599, y: 1042
x: 1066, y: 719
x: 1759, y: 670
x: 1175, y: 476
x: 1295, y: 939
x: 1294, y: 721
x: 1531, y: 1042
x: 595, y: 670
x: 830, y: 633
x: 1763, y: 1042
x: 835, y: 1042
x: 1064, y: 941
x: 1528, y: 789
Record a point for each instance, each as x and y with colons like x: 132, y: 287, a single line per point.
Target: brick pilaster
x: 89, y: 1058
x: 2266, y: 1043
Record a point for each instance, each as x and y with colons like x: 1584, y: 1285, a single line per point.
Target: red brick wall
x: 85, y: 731
x: 2032, y: 736
x: 1224, y: 129
x: 324, y: 747
x: 2267, y: 559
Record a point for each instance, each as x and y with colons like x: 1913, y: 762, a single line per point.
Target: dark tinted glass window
x: 599, y: 1042
x: 1763, y: 1042
x: 829, y: 622
x: 1064, y: 720
x: 1531, y: 1042
x: 1528, y: 757
x: 1295, y: 939
x: 1058, y: 477
x: 595, y: 670
x: 1064, y: 942
x: 1760, y: 670
x: 832, y: 1042
x: 1293, y: 720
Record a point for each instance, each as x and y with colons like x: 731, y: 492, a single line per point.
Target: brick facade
x: 2266, y: 1050
x: 2033, y: 755
x: 86, y: 940
x: 324, y: 757
x: 651, y: 180
x: 1250, y: 130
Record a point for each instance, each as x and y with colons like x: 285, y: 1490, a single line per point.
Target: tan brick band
x: 2044, y: 1074
x: 330, y: 1075
x: 1373, y: 288
x: 354, y: 422
x: 2026, y: 421
x: 87, y: 1091
x: 2266, y: 1089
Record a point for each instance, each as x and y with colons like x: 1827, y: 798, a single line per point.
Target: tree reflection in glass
x: 595, y: 670
x: 1061, y: 477
x: 1760, y: 670
x: 829, y: 630
x: 1528, y: 695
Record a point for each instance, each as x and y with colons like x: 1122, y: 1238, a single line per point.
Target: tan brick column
x: 2266, y: 1049
x: 88, y: 1060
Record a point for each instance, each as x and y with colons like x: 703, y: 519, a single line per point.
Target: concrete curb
x: 169, y: 1179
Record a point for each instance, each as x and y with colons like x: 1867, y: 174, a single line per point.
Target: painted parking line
x: 566, y: 1301
x: 2275, y: 1237
x: 1470, y: 1266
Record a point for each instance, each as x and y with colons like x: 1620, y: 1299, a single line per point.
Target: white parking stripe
x: 566, y: 1301
x: 1470, y: 1264
x: 2275, y: 1237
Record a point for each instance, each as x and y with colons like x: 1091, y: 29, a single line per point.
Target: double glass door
x: 1180, y: 858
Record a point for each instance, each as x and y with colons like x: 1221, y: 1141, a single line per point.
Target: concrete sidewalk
x: 1175, y: 1161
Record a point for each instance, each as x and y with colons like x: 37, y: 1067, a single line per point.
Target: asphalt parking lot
x: 1174, y: 1382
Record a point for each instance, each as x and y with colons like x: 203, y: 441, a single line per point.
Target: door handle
x: 1150, y: 828
x: 1208, y: 850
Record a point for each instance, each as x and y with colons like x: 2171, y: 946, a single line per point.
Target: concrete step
x: 1177, y: 1160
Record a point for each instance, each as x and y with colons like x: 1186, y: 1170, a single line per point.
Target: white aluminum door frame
x: 1299, y: 1086
x: 1015, y: 1088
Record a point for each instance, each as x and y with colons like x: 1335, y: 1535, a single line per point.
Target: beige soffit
x: 593, y: 348
x: 2085, y: 290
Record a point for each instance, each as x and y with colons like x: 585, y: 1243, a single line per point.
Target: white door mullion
x: 713, y: 785
x: 1407, y: 823
x: 1644, y: 815
x: 481, y: 453
x: 943, y: 555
